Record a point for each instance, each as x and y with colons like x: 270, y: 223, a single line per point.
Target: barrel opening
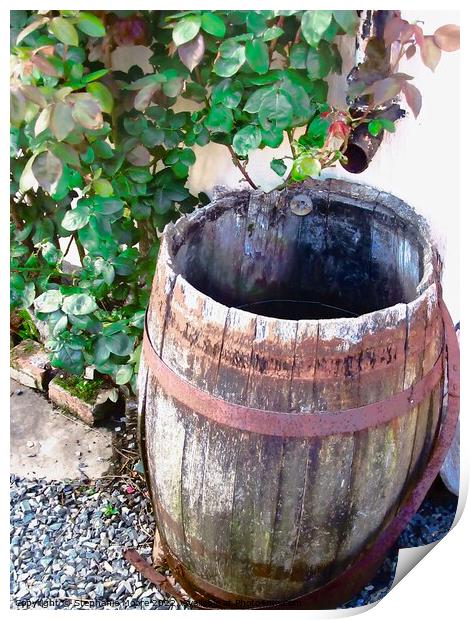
x: 342, y: 259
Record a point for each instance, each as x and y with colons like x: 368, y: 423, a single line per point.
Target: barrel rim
x: 365, y: 196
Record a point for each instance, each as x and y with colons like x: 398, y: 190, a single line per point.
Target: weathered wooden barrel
x: 290, y: 386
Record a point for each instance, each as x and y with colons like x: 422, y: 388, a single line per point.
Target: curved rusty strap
x: 303, y: 425
x: 358, y: 574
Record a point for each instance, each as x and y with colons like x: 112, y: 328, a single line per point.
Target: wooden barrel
x: 278, y: 444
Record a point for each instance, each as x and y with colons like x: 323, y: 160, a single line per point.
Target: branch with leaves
x: 100, y: 158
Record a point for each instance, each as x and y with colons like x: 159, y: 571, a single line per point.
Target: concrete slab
x: 44, y: 443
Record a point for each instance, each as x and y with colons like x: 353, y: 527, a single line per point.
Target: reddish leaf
x: 401, y: 77
x: 411, y: 51
x: 339, y: 129
x: 139, y: 156
x: 448, y: 37
x: 383, y: 90
x: 393, y: 29
x: 192, y: 52
x: 430, y: 53
x: 34, y: 94
x: 144, y: 96
x: 44, y: 66
x: 61, y: 122
x: 86, y: 111
x: 413, y: 97
x: 418, y: 34
x: 47, y: 170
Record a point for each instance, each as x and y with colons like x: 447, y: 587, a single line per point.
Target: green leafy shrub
x: 100, y: 159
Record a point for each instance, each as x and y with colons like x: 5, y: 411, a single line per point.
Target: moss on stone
x: 84, y: 389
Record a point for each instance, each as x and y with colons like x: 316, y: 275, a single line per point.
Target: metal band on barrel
x: 305, y: 425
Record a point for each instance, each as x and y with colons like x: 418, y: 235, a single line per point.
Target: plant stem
x: 68, y: 246
x: 272, y: 45
x: 290, y: 136
x: 80, y: 248
x: 237, y: 163
x: 298, y: 35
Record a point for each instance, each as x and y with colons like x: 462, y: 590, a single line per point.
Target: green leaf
x: 388, y: 125
x: 79, y: 304
x: 119, y: 344
x: 213, y: 24
x: 95, y: 75
x: 272, y: 137
x: 124, y: 264
x: 76, y: 218
x: 64, y: 30
x: 272, y: 33
x: 255, y: 100
x: 90, y: 25
x: 88, y: 157
x: 298, y: 56
x: 101, y: 351
x: 61, y: 122
x: 319, y: 61
x: 102, y: 149
x: 246, y: 139
x: 348, y: 20
x: 50, y: 253
x: 375, y: 127
x: 257, y: 55
x: 314, y: 24
x: 60, y: 325
x: 47, y: 170
x: 319, y: 91
x: 103, y: 187
x: 50, y: 301
x: 194, y: 91
x: 228, y: 93
x: 31, y: 28
x: 123, y: 374
x: 278, y: 166
x: 68, y: 359
x: 275, y: 111
x: 103, y: 95
x: 138, y: 319
x: 226, y: 66
x: 318, y: 127
x: 305, y: 167
x: 107, y: 206
x: 256, y: 22
x: 219, y: 119
x: 139, y: 175
x: 186, y: 29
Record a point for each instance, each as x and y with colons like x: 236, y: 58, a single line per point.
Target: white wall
x: 419, y: 163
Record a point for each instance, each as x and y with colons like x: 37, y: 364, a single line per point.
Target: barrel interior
x: 344, y: 258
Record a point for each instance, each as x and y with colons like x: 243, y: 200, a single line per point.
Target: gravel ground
x: 431, y: 523
x: 67, y: 548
